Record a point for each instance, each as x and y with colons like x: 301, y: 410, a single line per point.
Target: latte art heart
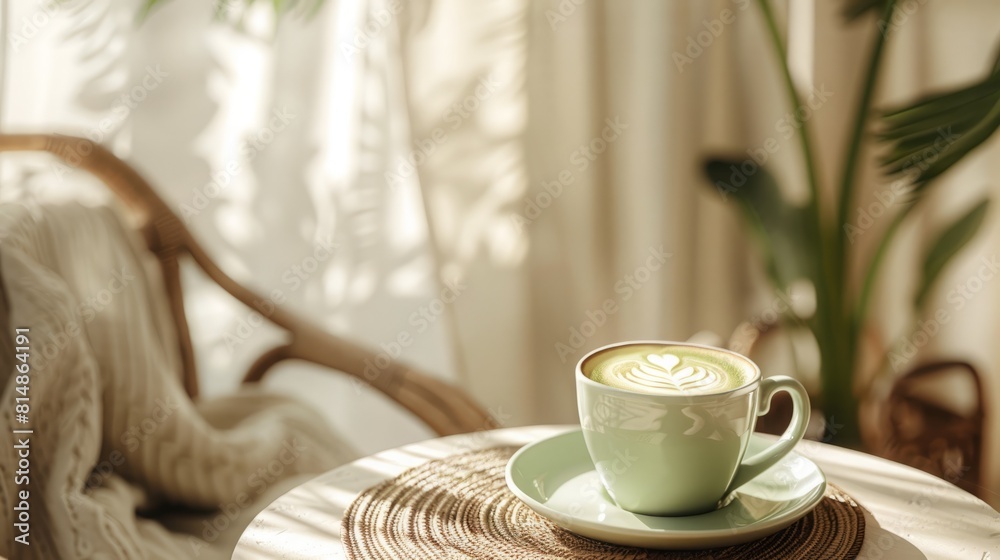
x: 688, y: 378
x: 667, y: 371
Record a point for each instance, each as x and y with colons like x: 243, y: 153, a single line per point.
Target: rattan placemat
x: 460, y: 507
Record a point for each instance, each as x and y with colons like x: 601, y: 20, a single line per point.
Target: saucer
x: 556, y: 478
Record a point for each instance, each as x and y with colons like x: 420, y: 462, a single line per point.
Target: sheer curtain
x: 509, y: 183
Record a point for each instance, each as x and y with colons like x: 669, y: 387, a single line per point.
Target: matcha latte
x: 669, y: 370
x: 668, y: 424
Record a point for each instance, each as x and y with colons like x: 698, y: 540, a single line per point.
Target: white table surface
x: 913, y: 514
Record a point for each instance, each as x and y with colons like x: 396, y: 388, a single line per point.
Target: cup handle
x: 754, y: 466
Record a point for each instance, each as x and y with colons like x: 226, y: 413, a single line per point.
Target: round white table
x: 913, y: 514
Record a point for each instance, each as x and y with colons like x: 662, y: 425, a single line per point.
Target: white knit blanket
x: 121, y: 463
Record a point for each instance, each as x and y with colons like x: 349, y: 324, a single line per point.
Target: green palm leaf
x: 947, y: 245
x: 931, y: 135
x: 779, y: 229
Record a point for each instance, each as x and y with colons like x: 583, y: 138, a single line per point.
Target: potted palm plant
x: 921, y: 142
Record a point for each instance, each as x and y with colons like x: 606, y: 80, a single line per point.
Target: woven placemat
x: 460, y: 507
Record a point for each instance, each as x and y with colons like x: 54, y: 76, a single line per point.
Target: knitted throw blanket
x: 116, y: 461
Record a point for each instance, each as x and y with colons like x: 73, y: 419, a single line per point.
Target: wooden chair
x: 912, y: 426
x: 908, y: 425
x: 443, y: 407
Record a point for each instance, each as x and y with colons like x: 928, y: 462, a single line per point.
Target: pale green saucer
x: 556, y: 478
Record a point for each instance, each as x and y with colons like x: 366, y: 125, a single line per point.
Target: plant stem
x: 850, y: 167
x: 821, y: 269
x: 831, y: 325
x: 826, y: 295
x: 840, y: 406
x: 793, y: 95
x: 861, y: 311
x: 839, y: 399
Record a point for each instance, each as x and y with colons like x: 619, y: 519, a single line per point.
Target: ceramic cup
x: 680, y: 453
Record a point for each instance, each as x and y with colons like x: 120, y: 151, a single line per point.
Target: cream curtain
x: 572, y: 198
x: 540, y: 159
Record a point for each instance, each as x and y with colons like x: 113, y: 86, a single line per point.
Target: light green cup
x: 667, y: 424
